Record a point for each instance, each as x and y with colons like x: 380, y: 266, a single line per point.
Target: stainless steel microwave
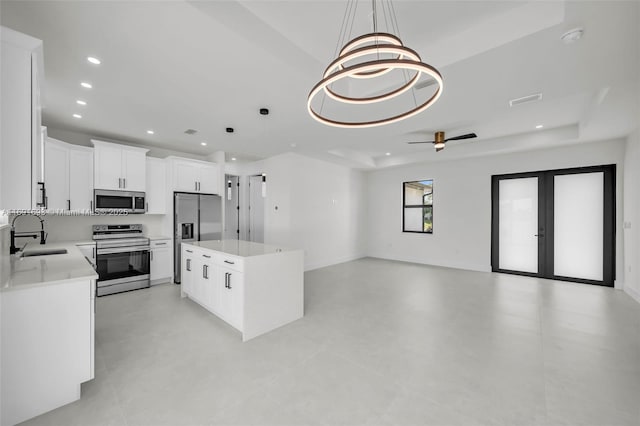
x: 107, y: 201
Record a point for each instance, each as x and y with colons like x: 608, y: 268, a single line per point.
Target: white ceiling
x: 174, y: 65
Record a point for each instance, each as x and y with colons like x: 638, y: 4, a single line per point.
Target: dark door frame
x: 546, y: 223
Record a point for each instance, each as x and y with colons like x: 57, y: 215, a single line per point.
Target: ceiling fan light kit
x: 373, y: 45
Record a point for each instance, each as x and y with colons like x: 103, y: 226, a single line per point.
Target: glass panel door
x: 578, y: 220
x: 556, y: 224
x: 518, y: 225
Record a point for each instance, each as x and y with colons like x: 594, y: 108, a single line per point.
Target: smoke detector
x: 191, y: 131
x: 573, y: 35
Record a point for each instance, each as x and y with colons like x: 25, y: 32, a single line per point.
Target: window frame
x: 423, y: 206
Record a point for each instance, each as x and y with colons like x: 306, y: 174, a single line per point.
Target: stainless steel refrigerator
x: 197, y: 217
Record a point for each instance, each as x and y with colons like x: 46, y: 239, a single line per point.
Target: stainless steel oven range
x: 122, y: 258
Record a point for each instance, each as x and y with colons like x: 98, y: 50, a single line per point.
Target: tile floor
x: 382, y: 343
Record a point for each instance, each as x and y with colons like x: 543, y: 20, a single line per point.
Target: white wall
x: 78, y: 228
x: 313, y: 205
x: 462, y: 204
x: 632, y: 216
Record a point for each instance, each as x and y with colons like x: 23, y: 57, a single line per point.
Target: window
x: 417, y: 215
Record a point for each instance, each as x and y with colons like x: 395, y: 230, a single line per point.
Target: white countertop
x: 238, y: 247
x: 17, y: 273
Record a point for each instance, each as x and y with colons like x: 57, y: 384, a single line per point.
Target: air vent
x: 191, y: 131
x: 526, y: 99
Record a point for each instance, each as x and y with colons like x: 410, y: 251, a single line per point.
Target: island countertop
x: 17, y: 273
x: 239, y: 248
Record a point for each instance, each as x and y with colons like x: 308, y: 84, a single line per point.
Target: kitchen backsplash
x: 78, y: 228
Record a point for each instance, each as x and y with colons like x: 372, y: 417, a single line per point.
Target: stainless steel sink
x: 44, y: 252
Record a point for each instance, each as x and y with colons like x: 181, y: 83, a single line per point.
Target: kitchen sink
x: 44, y: 252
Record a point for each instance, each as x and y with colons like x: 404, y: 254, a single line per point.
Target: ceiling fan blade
x: 467, y: 136
x: 421, y: 142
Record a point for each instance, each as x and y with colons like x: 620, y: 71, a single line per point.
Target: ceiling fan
x: 439, y: 141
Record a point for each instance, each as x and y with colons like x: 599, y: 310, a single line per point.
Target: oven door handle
x: 122, y: 250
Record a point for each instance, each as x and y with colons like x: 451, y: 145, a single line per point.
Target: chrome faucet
x: 43, y: 235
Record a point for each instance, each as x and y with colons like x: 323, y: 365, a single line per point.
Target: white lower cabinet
x: 219, y: 289
x: 47, y: 347
x: 160, y: 266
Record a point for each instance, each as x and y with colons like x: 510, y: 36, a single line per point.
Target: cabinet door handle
x: 229, y: 262
x: 91, y: 206
x: 119, y: 182
x: 229, y: 281
x: 68, y: 204
x: 151, y: 253
x: 146, y: 207
x: 188, y: 264
x: 195, y: 184
x: 205, y: 272
x: 226, y: 280
x: 94, y: 253
x: 189, y: 251
x: 124, y: 183
x: 207, y: 256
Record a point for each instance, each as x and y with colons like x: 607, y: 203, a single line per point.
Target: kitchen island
x: 252, y: 286
x: 47, y: 329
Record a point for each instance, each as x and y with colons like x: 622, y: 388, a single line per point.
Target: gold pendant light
x: 374, y: 45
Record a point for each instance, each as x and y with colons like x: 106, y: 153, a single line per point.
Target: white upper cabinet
x: 156, y: 194
x: 68, y: 176
x: 209, y: 179
x: 56, y: 174
x: 20, y: 75
x: 119, y: 167
x: 194, y: 176
x: 81, y: 178
x: 185, y: 176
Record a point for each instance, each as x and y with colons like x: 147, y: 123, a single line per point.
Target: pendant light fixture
x: 370, y: 56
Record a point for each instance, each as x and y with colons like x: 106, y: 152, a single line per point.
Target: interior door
x: 556, y: 224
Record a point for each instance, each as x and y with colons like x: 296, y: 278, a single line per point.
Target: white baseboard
x: 635, y: 294
x: 329, y: 262
x: 452, y: 265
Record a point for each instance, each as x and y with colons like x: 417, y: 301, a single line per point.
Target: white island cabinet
x: 254, y: 287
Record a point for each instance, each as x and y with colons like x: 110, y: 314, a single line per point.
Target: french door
x: 557, y: 224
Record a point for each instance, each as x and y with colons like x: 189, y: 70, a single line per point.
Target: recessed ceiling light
x: 79, y: 102
x: 93, y: 60
x: 293, y: 145
x: 539, y: 126
x: 150, y: 132
x: 387, y: 154
x: 77, y: 116
x: 86, y: 85
x: 233, y: 158
x: 203, y: 143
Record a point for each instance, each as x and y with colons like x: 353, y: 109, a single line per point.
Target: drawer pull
x: 207, y: 256
x: 189, y: 251
x: 229, y: 262
x: 161, y: 244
